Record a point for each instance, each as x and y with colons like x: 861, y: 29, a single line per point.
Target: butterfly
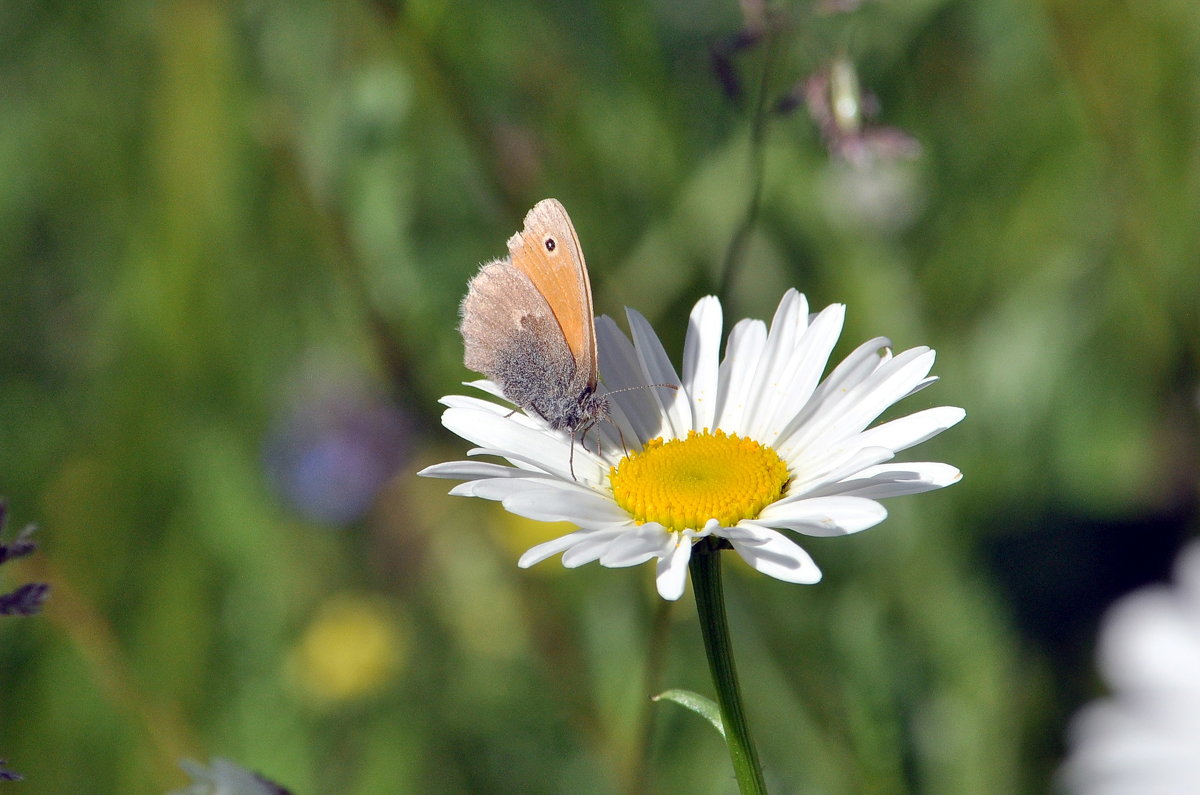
x: 528, y: 324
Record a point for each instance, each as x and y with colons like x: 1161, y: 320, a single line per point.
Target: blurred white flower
x: 1145, y: 737
x: 223, y: 777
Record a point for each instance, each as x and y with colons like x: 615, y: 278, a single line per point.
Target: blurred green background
x: 233, y: 237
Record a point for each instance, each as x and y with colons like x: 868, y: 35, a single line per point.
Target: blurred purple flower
x: 24, y: 601
x: 8, y: 775
x: 843, y: 111
x: 335, y: 444
x: 838, y: 6
x: 28, y: 599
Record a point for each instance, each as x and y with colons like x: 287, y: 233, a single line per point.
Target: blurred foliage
x: 229, y: 232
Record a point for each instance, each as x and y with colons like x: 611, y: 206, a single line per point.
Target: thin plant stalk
x: 735, y: 254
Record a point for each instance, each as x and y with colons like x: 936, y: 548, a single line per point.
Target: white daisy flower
x: 749, y: 445
x: 1145, y: 738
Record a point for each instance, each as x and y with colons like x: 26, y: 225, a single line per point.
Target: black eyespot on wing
x: 551, y: 244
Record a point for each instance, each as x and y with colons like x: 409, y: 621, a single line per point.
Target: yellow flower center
x: 685, y: 482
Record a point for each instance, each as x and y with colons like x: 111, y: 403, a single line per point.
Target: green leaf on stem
x: 702, y: 705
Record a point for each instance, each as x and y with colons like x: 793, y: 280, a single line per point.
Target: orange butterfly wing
x: 547, y: 250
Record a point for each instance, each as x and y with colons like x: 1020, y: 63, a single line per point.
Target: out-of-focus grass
x: 232, y: 242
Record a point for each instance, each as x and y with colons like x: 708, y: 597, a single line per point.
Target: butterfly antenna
x: 641, y: 386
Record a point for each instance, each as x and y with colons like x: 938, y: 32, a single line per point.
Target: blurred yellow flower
x: 351, y: 648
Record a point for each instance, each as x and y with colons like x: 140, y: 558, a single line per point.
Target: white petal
x: 540, y: 448
x: 849, y: 373
x: 790, y: 321
x: 919, y: 386
x: 858, y: 366
x: 903, y: 433
x: 583, y: 507
x: 591, y: 548
x: 472, y: 402
x: 657, y: 369
x: 838, y: 465
x: 794, y: 373
x: 590, y: 470
x: 802, y: 371
x: 852, y: 413
x: 490, y: 430
x: 618, y: 361
x: 822, y: 516
x: 546, y: 549
x: 637, y: 545
x: 773, y: 554
x: 502, y: 488
x: 701, y: 360
x: 470, y: 470
x: 632, y: 402
x: 488, y: 386
x: 671, y: 571
x: 894, y: 480
x: 632, y: 395
x: 743, y: 351
x: 894, y: 380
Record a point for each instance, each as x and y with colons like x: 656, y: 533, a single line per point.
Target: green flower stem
x: 705, y: 569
